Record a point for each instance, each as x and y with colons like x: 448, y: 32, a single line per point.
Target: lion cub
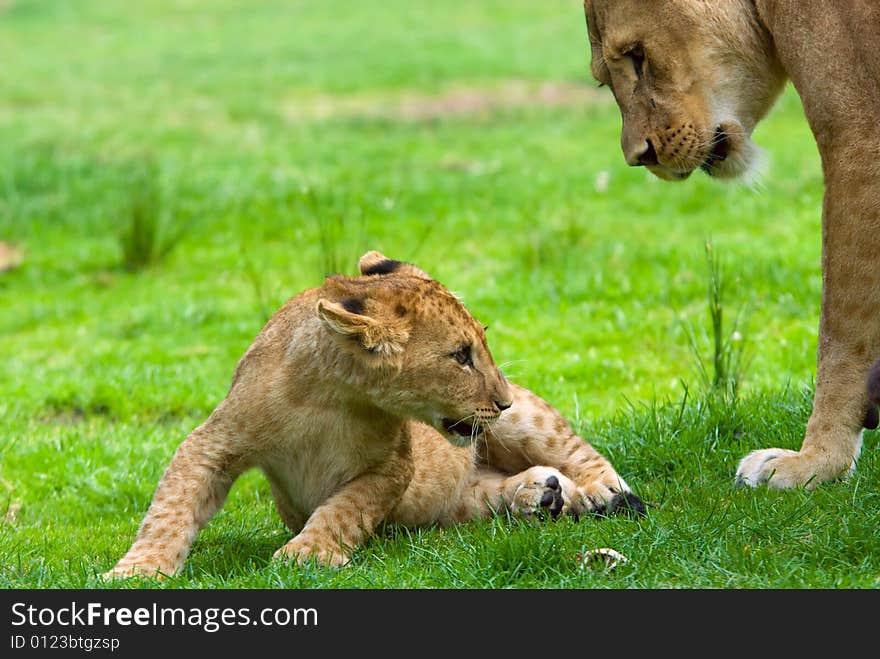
x: 372, y: 398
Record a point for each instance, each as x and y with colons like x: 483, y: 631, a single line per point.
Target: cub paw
x: 545, y: 490
x: 137, y: 570
x: 303, y: 550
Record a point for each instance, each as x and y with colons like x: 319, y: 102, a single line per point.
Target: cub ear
x: 376, y: 263
x: 347, y: 318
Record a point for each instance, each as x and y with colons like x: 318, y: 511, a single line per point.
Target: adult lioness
x: 692, y: 78
x: 373, y: 398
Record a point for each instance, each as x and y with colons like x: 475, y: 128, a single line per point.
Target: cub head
x: 691, y: 79
x: 416, y: 349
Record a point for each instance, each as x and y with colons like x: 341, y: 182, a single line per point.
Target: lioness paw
x: 302, y: 550
x: 785, y: 469
x: 545, y: 490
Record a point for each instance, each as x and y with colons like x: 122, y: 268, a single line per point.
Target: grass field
x: 279, y: 141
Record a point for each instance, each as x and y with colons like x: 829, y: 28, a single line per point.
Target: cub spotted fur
x: 367, y: 399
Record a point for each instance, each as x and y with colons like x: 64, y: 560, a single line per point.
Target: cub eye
x: 463, y: 356
x: 637, y: 56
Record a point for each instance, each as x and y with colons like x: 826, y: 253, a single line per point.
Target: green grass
x: 591, y: 275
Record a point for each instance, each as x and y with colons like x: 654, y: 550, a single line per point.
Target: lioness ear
x: 347, y: 318
x: 597, y: 59
x: 376, y: 263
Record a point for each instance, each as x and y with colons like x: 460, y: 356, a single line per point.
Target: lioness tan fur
x: 367, y: 399
x: 692, y: 78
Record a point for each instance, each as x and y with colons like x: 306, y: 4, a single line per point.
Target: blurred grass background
x: 265, y: 144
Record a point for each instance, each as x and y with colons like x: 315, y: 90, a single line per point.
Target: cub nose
x: 642, y: 154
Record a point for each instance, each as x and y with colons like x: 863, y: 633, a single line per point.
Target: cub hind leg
x: 447, y: 487
x: 537, y: 491
x: 193, y: 487
x: 532, y: 432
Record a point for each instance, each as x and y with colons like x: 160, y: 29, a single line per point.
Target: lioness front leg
x: 849, y: 334
x: 833, y: 438
x: 533, y: 432
x: 347, y: 518
x: 194, y: 486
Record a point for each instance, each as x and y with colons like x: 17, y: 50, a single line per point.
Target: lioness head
x: 691, y: 78
x: 430, y: 355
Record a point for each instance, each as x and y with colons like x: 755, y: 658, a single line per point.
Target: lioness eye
x: 637, y: 57
x: 463, y: 356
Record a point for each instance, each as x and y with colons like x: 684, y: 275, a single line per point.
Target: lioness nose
x: 642, y: 154
x: 503, y: 406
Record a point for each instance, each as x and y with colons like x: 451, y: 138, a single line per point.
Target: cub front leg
x: 347, y: 518
x: 532, y: 432
x: 193, y: 487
